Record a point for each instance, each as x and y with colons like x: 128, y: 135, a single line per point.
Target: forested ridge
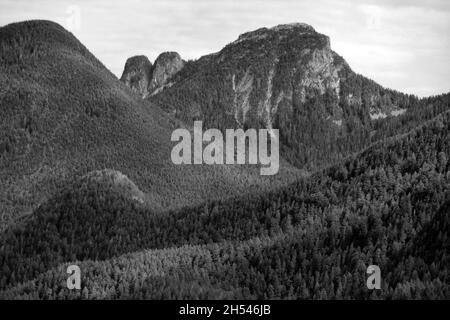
x: 388, y: 205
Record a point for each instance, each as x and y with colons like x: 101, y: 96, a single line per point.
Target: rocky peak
x: 137, y: 74
x: 279, y: 32
x: 166, y: 66
x: 145, y: 79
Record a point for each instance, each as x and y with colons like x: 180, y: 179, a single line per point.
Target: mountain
x: 87, y: 179
x: 285, y: 77
x: 145, y: 79
x: 63, y: 115
x: 137, y: 74
x: 312, y: 239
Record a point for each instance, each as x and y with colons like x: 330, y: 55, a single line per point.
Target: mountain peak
x: 166, y: 65
x: 137, y: 74
x: 33, y: 24
x: 144, y: 78
x: 37, y: 38
x: 168, y: 55
x: 36, y: 30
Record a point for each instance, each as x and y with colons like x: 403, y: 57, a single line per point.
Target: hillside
x: 312, y: 239
x: 63, y: 115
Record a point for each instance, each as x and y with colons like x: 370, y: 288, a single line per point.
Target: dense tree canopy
x: 387, y: 206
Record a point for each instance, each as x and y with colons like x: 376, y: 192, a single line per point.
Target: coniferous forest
x: 315, y: 238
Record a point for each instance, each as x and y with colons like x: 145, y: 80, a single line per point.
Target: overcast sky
x: 402, y: 45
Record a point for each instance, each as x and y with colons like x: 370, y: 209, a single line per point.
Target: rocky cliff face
x: 280, y: 66
x: 137, y: 74
x: 166, y: 66
x: 145, y: 79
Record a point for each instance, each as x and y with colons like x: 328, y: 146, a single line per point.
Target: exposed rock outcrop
x: 146, y: 79
x: 166, y: 66
x: 137, y: 74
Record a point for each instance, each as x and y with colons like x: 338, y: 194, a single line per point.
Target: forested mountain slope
x: 63, y: 115
x: 388, y: 206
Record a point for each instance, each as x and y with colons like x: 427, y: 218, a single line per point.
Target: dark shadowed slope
x: 63, y: 114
